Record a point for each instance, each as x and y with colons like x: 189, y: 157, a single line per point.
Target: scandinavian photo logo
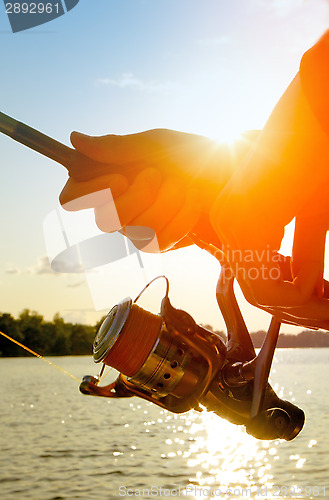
x: 24, y: 15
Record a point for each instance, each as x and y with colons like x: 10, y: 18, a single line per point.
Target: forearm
x: 288, y: 164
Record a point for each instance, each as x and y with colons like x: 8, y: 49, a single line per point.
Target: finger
x: 142, y: 237
x: 306, y: 316
x: 268, y: 289
x: 168, y: 203
x: 314, y: 324
x: 186, y: 218
x: 137, y: 198
x: 292, y: 319
x: 311, y: 313
x: 173, y: 232
x: 80, y: 195
x: 117, y: 148
x: 97, y: 148
x: 310, y: 279
x: 143, y: 229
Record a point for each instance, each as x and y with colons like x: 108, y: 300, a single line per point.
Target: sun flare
x: 228, y: 135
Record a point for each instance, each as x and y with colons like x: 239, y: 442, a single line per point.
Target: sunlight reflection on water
x: 221, y: 456
x: 59, y: 444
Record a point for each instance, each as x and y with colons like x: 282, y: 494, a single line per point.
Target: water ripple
x: 57, y: 444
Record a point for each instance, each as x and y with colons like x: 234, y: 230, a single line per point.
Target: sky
x: 210, y: 67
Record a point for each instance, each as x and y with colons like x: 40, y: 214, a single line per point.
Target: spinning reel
x: 168, y: 359
x: 171, y: 361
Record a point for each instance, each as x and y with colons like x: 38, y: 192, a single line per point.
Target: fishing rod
x: 167, y: 358
x: 79, y: 166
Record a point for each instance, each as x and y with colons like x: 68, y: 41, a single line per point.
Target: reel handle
x: 90, y: 387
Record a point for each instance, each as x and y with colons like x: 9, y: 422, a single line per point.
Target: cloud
x: 130, y: 81
x: 41, y: 267
x: 76, y: 285
x: 281, y: 7
x: 12, y: 270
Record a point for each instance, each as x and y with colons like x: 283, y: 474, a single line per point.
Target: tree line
x: 306, y: 338
x: 48, y: 338
x: 60, y: 338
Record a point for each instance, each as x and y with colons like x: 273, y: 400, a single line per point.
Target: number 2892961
x: 32, y: 8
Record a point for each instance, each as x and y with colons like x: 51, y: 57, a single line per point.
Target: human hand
x: 175, y: 154
x: 301, y: 300
x: 168, y: 182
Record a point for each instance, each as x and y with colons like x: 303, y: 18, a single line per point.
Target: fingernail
x: 139, y: 233
x: 143, y: 238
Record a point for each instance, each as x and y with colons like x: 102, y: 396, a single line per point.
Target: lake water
x: 56, y: 443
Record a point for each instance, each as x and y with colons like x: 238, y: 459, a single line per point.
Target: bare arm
x: 281, y: 178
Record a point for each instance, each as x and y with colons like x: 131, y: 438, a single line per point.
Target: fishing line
x: 40, y: 357
x: 103, y: 375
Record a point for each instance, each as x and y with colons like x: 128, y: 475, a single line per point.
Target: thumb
x: 97, y: 148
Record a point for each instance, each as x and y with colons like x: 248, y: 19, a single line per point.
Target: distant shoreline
x: 30, y: 331
x: 305, y: 339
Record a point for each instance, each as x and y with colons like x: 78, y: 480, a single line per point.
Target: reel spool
x: 126, y: 337
x: 138, y: 344
x: 164, y: 358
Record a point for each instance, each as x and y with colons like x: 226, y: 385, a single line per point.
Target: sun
x: 232, y: 128
x: 228, y: 134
